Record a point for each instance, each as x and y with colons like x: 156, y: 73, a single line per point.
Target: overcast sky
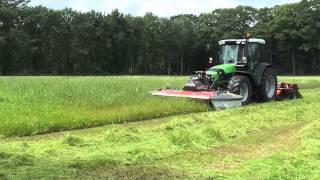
x: 158, y: 7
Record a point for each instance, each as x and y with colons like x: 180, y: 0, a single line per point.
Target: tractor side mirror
x: 245, y: 60
x: 211, y: 60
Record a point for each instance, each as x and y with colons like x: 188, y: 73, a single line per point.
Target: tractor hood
x: 226, y: 68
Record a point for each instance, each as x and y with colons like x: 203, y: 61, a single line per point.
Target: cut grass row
x: 277, y: 140
x: 37, y: 105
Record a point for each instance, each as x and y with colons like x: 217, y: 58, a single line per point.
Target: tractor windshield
x: 229, y: 54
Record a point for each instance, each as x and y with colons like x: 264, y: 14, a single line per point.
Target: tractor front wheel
x: 267, y: 89
x: 241, y: 85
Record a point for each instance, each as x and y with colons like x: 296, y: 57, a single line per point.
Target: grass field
x: 36, y: 105
x: 276, y: 140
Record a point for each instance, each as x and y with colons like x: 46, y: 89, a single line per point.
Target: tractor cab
x: 241, y: 52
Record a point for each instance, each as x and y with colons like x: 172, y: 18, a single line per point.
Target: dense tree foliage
x: 38, y: 40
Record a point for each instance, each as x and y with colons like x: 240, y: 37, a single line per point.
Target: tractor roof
x: 238, y: 41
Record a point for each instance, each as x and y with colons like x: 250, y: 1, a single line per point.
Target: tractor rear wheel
x: 267, y: 89
x: 241, y: 85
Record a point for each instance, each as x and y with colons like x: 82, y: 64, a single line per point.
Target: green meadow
x: 276, y: 140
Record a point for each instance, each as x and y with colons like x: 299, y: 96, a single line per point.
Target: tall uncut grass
x: 35, y: 105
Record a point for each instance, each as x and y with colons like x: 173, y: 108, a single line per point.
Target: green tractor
x: 240, y: 73
x: 242, y: 68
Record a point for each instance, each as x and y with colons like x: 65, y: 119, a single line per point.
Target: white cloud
x: 289, y: 1
x: 159, y: 7
x: 169, y: 8
x: 165, y: 7
x: 126, y: 6
x: 80, y: 7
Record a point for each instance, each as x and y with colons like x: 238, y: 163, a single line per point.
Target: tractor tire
x: 267, y: 90
x: 242, y: 86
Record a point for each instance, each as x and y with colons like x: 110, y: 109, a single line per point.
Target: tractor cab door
x: 253, y: 55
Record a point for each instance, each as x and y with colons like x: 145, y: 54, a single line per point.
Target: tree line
x: 43, y: 41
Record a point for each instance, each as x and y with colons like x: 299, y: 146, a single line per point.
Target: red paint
x: 285, y: 89
x: 189, y: 94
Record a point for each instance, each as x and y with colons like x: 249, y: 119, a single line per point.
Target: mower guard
x: 219, y: 100
x: 205, y: 95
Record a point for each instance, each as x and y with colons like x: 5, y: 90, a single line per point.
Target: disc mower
x: 240, y: 74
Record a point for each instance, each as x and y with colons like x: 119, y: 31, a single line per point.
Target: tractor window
x: 228, y: 54
x: 253, y: 54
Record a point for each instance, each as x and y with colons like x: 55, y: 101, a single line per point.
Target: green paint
x: 227, y: 68
x: 213, y: 74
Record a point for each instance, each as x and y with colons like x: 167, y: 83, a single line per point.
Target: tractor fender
x: 259, y: 70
